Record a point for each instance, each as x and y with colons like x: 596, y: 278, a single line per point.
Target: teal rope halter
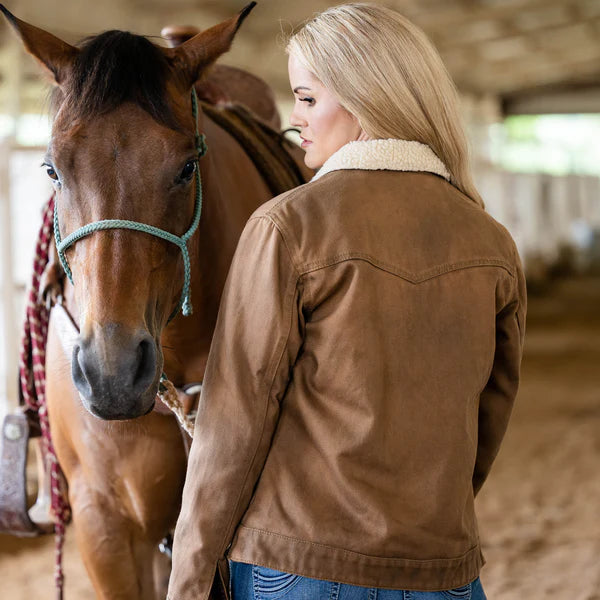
x: 185, y: 303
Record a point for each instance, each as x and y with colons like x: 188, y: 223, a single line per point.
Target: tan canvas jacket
x: 362, y: 373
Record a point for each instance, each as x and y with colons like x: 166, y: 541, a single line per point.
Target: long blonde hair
x: 384, y: 70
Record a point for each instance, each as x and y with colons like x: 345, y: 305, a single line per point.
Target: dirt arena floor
x: 539, y: 511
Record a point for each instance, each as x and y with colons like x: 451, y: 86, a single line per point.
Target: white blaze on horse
x: 124, y: 148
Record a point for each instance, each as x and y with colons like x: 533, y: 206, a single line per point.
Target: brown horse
x: 123, y: 147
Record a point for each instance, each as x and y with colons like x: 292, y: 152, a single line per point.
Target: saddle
x: 15, y: 519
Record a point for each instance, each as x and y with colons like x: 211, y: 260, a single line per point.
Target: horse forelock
x: 112, y: 68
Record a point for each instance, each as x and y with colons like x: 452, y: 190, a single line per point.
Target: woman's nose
x: 296, y: 120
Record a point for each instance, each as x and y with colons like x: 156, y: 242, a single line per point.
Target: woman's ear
x: 362, y: 137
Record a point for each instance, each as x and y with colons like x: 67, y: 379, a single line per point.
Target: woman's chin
x: 312, y: 163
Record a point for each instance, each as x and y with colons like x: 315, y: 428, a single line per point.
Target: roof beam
x: 560, y: 100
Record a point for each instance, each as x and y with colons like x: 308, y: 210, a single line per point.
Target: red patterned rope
x: 32, y: 372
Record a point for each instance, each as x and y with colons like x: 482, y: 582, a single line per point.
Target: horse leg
x: 117, y: 555
x: 125, y: 481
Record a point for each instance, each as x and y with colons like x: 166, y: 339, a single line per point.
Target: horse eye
x: 188, y: 170
x: 52, y: 173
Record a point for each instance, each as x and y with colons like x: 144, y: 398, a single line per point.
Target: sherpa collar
x: 386, y: 155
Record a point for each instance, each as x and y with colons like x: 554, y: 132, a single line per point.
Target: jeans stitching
x: 467, y: 596
x: 255, y: 581
x: 335, y: 591
x: 468, y: 591
x: 291, y: 581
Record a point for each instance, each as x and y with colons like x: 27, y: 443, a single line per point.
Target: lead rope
x: 32, y: 373
x: 168, y: 394
x: 185, y: 302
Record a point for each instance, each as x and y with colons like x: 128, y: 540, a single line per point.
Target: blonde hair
x: 384, y: 70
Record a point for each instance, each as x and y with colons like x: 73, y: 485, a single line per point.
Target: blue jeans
x: 251, y: 582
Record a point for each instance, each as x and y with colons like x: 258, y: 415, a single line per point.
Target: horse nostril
x: 115, y: 372
x: 78, y: 372
x: 146, y: 365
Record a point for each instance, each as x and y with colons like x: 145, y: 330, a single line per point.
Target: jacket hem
x: 320, y: 561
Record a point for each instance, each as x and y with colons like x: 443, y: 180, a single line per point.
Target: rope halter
x: 185, y: 302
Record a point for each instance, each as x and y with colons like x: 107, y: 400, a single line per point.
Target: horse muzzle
x: 116, y: 373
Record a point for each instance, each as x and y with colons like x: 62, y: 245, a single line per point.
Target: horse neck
x: 232, y: 189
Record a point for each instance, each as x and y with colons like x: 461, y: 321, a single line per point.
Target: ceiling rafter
x: 496, y: 47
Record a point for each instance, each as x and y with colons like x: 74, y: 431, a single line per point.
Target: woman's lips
x: 305, y: 143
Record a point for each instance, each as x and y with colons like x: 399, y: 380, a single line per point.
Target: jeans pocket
x: 463, y: 592
x: 269, y: 583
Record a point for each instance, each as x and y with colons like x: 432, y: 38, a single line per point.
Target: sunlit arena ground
x: 539, y: 511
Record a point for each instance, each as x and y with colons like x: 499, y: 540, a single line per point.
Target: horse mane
x: 116, y: 67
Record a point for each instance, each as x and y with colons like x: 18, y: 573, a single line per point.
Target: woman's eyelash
x: 307, y: 99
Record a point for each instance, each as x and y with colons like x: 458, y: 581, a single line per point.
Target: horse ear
x: 199, y: 52
x: 53, y: 54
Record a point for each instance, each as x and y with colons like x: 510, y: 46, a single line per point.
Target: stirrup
x: 14, y: 517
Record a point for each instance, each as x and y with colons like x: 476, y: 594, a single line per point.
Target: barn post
x: 9, y: 392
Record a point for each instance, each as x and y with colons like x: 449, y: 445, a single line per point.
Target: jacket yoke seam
x: 414, y: 278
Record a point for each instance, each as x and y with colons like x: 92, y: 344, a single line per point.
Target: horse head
x: 124, y: 148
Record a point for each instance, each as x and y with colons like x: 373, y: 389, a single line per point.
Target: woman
x: 368, y: 346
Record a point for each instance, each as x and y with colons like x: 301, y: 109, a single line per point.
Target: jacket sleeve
x: 497, y: 399
x: 257, y: 337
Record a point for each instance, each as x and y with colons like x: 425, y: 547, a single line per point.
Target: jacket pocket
x: 269, y: 583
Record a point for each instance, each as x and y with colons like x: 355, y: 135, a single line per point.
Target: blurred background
x: 528, y: 72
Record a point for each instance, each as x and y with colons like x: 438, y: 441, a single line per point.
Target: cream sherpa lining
x: 385, y: 155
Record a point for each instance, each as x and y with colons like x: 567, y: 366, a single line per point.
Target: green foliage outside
x: 555, y: 144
